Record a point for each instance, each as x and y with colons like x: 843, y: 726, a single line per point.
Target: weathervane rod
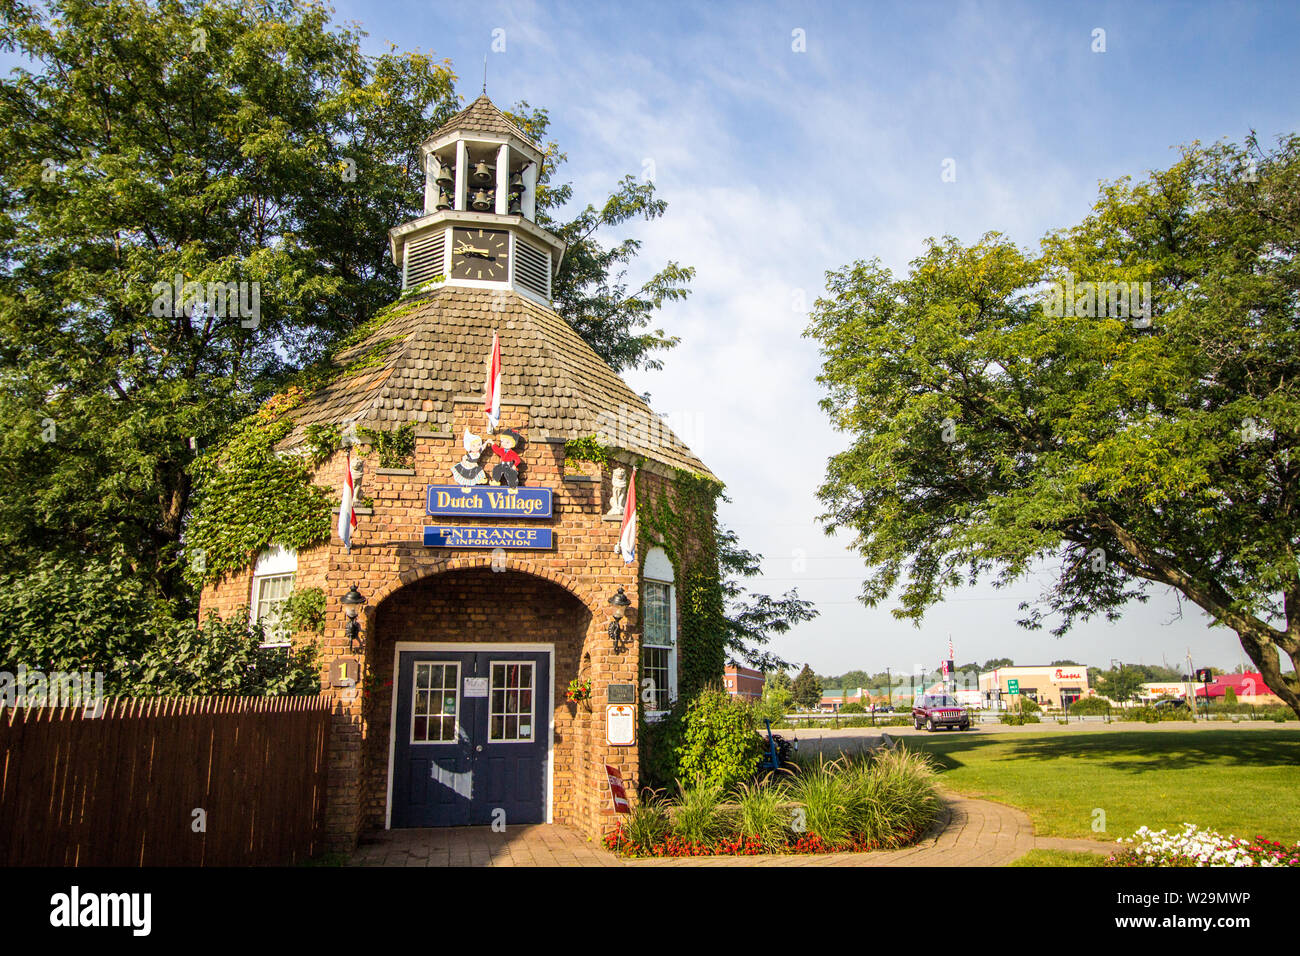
x: 485, y: 74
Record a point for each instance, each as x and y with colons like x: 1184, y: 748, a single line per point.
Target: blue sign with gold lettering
x: 443, y: 536
x: 485, y: 501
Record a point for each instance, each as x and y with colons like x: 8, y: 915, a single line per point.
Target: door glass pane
x: 512, y: 702
x: 433, y: 710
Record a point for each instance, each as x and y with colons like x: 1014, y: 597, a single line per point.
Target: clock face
x: 480, y: 254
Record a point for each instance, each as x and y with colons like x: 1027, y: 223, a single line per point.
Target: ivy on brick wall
x: 682, y: 521
x: 395, y: 448
x: 247, y: 496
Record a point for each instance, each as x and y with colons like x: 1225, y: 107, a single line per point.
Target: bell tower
x: 480, y: 202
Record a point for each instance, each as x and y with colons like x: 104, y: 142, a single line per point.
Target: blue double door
x: 471, y: 738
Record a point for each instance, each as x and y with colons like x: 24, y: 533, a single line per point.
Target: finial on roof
x: 485, y: 74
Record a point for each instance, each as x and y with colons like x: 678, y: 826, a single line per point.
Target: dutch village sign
x: 457, y: 501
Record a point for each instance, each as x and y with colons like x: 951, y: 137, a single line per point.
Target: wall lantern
x: 352, y: 602
x: 620, y: 604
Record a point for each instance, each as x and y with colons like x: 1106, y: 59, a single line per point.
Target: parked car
x: 1171, y: 703
x: 939, y: 710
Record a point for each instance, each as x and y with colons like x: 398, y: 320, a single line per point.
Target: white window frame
x: 455, y: 737
x: 274, y: 562
x: 658, y: 569
x: 532, y: 706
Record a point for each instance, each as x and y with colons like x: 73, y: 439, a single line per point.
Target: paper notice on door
x: 476, y: 686
x: 525, y: 730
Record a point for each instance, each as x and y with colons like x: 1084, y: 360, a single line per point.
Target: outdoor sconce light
x: 352, y: 602
x: 620, y: 604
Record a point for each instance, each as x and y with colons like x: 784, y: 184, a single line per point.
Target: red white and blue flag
x: 950, y: 649
x: 627, y: 536
x: 492, y: 390
x: 347, y: 511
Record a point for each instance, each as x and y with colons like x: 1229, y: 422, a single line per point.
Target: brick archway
x: 444, y: 565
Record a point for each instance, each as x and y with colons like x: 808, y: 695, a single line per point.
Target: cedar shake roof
x: 482, y: 116
x: 433, y: 350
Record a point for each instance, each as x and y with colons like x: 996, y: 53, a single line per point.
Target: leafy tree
x: 1120, y: 684
x: 996, y: 662
x: 988, y: 435
x: 778, y: 679
x: 216, y: 141
x: 753, y: 619
x: 1230, y: 697
x: 807, y: 689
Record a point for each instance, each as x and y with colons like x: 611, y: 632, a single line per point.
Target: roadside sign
x: 617, y: 790
x: 1013, y: 686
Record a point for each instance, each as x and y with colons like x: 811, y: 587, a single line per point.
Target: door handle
x: 478, y: 749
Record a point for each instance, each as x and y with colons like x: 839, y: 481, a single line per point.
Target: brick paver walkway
x: 969, y: 832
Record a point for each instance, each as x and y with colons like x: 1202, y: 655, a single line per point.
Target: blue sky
x: 778, y: 165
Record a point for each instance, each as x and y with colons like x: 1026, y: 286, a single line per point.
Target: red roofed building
x: 1249, y: 687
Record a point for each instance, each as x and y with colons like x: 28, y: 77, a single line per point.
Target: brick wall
x: 440, y: 594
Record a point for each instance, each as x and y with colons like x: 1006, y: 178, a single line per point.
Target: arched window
x: 272, y: 585
x: 658, y: 634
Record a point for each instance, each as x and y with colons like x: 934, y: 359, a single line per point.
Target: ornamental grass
x: 881, y: 800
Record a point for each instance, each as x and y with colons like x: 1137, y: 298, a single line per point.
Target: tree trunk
x: 1262, y: 649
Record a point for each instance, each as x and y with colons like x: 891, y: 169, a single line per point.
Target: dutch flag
x: 492, y: 390
x: 627, y: 537
x: 347, y: 513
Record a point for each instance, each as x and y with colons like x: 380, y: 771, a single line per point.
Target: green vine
x: 396, y: 448
x: 322, y: 442
x: 247, y: 497
x: 585, y: 449
x: 682, y: 522
x: 305, y: 610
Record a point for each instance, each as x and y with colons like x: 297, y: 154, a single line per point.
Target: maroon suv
x: 939, y: 710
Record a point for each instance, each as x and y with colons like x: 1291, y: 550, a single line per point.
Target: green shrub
x: 304, y: 610
x: 712, y: 739
x: 1029, y: 706
x: 825, y: 797
x: 1019, y: 720
x: 853, y: 708
x: 1152, y: 715
x: 1090, y: 706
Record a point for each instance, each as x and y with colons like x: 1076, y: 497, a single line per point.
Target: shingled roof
x: 482, y: 116
x: 431, y: 351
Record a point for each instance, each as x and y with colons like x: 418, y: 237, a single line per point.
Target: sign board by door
x: 344, y: 671
x: 620, y: 725
x: 616, y: 789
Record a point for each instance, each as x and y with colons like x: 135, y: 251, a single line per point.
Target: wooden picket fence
x: 187, y: 781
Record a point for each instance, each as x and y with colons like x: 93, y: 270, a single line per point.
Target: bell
x: 516, y: 207
x: 445, y: 178
x: 482, y: 200
x: 444, y: 201
x: 482, y: 175
x: 517, y: 183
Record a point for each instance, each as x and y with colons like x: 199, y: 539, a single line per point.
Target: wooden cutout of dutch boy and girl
x: 470, y: 470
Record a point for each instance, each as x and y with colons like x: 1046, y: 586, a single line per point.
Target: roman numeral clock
x: 480, y: 254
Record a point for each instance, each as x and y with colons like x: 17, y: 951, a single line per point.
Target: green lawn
x: 1235, y: 781
x: 1058, y: 858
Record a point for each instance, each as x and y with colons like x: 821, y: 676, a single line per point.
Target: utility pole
x: 889, y: 688
x: 1191, y: 688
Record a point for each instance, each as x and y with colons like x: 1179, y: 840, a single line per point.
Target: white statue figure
x: 617, y: 493
x: 358, y: 472
x: 468, y: 471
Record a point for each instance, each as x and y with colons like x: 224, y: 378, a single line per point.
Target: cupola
x: 480, y: 204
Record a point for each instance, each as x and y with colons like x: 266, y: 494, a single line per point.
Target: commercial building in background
x: 743, y: 682
x: 1047, y: 685
x: 1155, y: 690
x: 1249, y: 688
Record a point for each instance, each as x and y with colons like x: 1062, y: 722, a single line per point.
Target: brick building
x: 482, y: 602
x: 743, y: 682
